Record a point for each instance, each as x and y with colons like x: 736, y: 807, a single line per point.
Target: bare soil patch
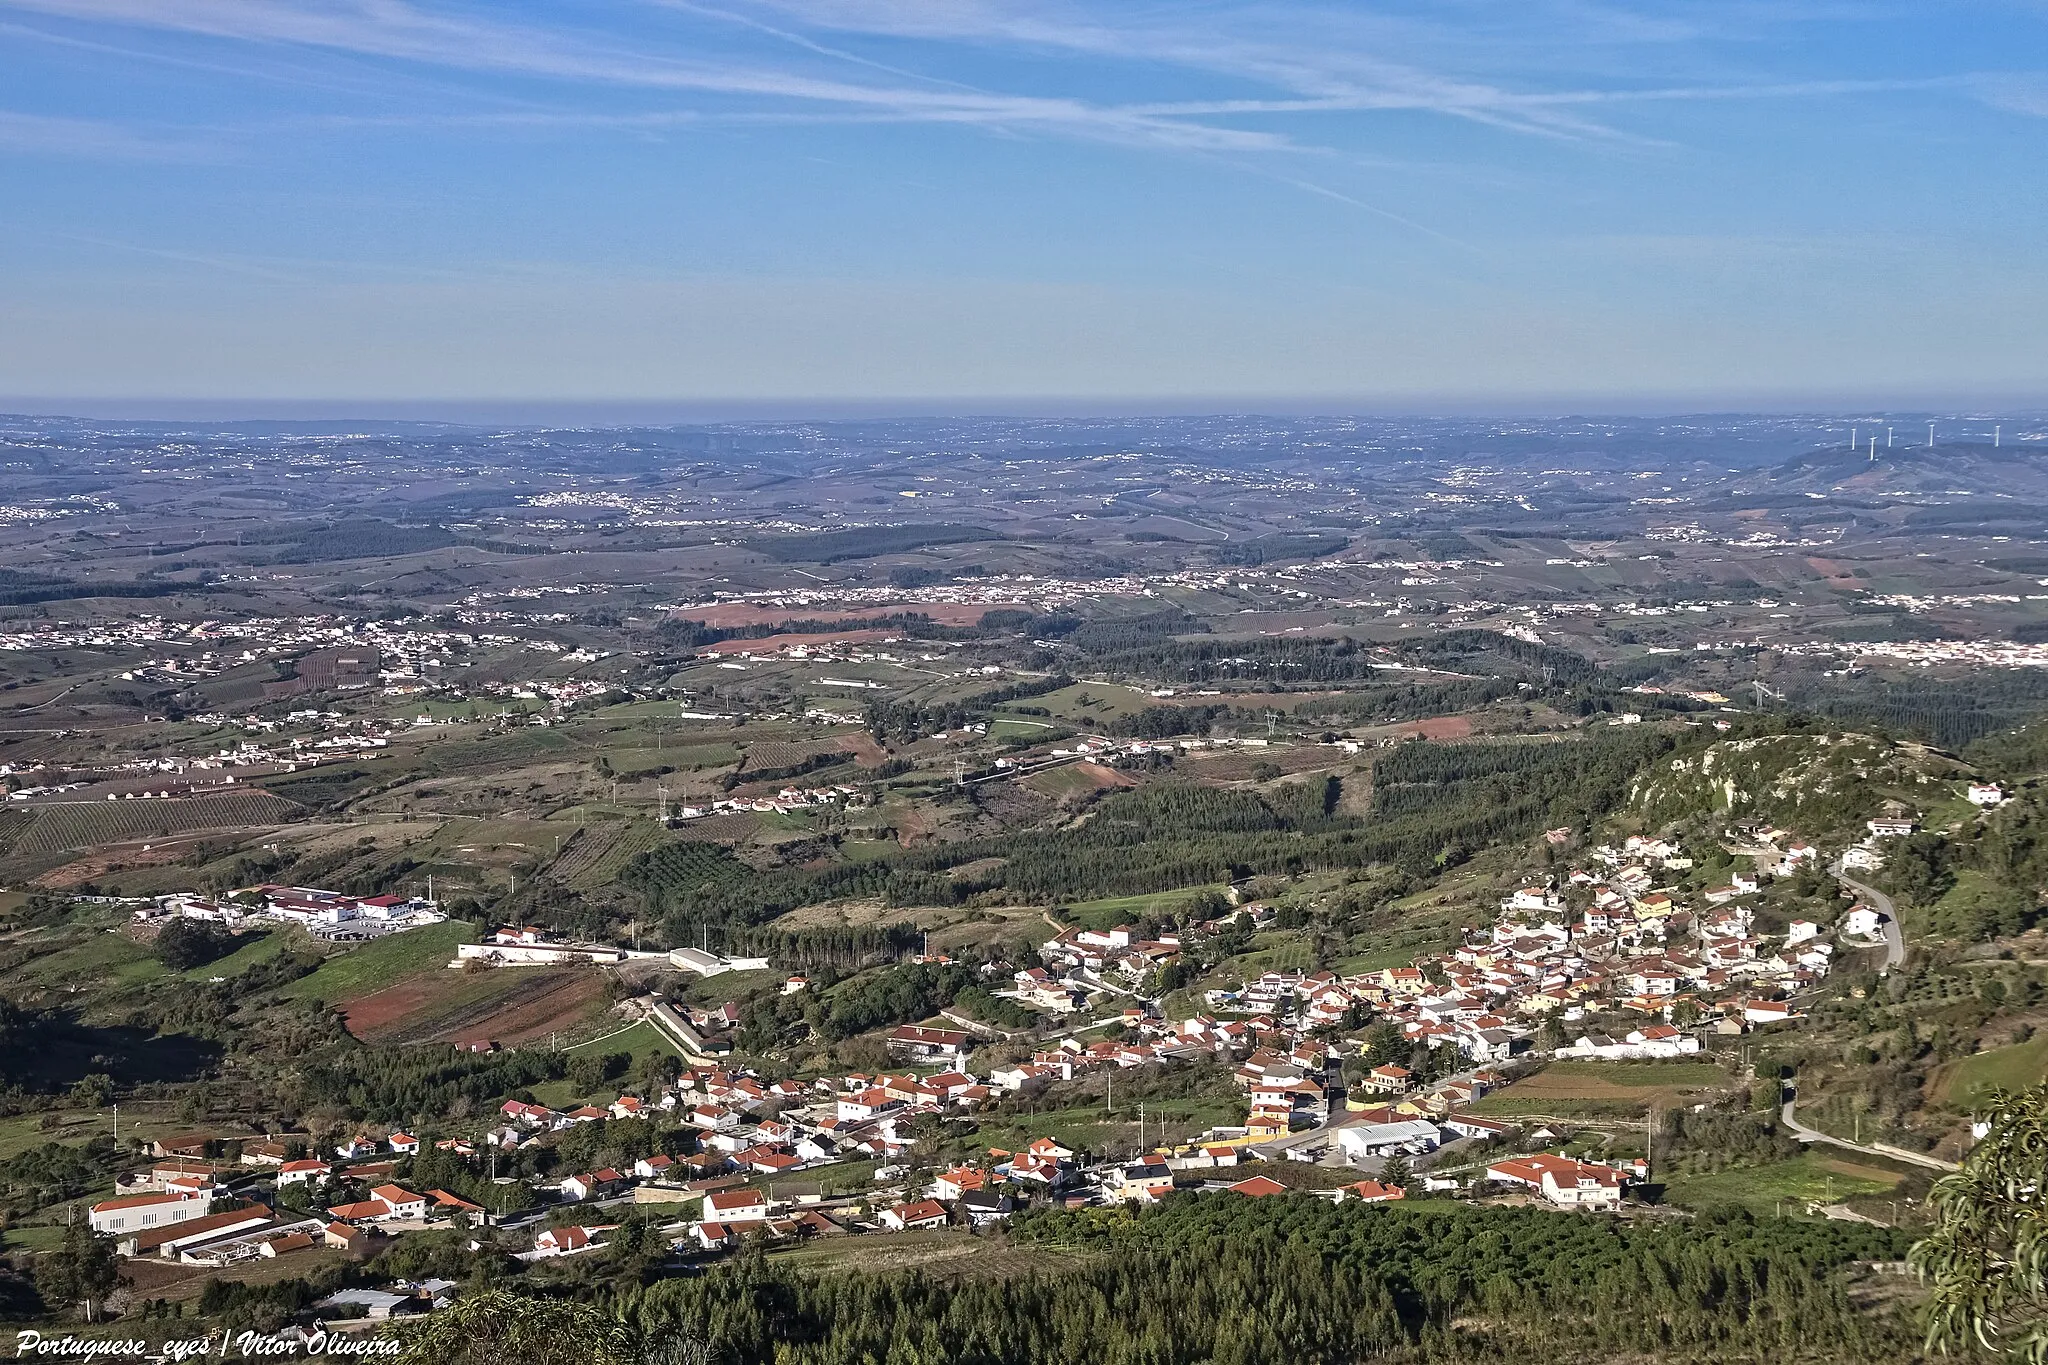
x: 1439, y: 727
x: 97, y: 864
x: 507, y: 1005
x: 555, y: 1000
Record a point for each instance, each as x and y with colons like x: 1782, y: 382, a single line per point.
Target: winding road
x: 1894, y: 955
x: 1894, y: 940
x: 1805, y: 1134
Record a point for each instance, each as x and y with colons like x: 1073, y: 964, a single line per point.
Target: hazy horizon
x: 649, y: 412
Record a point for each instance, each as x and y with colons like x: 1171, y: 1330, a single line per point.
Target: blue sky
x: 932, y: 203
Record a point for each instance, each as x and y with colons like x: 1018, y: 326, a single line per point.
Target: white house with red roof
x: 1563, y: 1181
x: 915, y: 1216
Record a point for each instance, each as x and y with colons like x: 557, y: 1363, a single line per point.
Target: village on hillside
x: 1371, y: 1076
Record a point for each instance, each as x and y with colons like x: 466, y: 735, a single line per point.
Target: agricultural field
x: 1113, y: 911
x: 595, y: 854
x: 1586, y: 1089
x: 504, y: 1005
x: 1782, y: 1187
x: 1077, y: 779
x: 636, y: 1041
x: 352, y: 973
x: 776, y: 755
x: 2017, y: 1066
x: 90, y: 824
x: 85, y: 954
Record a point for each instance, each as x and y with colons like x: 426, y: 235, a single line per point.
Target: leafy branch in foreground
x: 1987, y: 1257
x: 494, y: 1327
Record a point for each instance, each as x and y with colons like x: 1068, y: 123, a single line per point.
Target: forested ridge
x: 1433, y: 805
x: 1293, y: 1280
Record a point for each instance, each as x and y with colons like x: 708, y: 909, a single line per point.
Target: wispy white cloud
x: 1255, y: 72
x: 1336, y: 59
x: 390, y: 29
x: 2014, y: 94
x: 43, y: 135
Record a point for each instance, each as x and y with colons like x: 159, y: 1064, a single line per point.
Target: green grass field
x: 1965, y: 1082
x: 104, y: 956
x: 949, y: 1254
x: 1789, y: 1184
x: 1589, y: 1089
x: 681, y: 757
x: 260, y: 949
x: 1003, y: 727
x: 382, y: 962
x: 638, y: 1041
x: 1087, y: 704
x: 1657, y: 1074
x: 35, y: 1237
x: 1112, y: 911
x: 1379, y: 959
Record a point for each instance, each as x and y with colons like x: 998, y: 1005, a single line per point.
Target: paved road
x: 1894, y: 941
x: 1805, y: 1134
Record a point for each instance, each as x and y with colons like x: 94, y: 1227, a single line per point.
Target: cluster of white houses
x: 1601, y: 941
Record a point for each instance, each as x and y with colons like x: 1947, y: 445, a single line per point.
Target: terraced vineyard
x: 13, y: 824
x: 58, y: 828
x: 595, y: 856
x: 778, y: 755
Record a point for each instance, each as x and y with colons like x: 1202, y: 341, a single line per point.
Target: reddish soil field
x: 1835, y: 574
x: 556, y: 1000
x: 384, y: 1010
x: 519, y: 1003
x: 866, y: 753
x: 97, y: 864
x: 1439, y: 727
x: 744, y: 614
x: 1104, y: 778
